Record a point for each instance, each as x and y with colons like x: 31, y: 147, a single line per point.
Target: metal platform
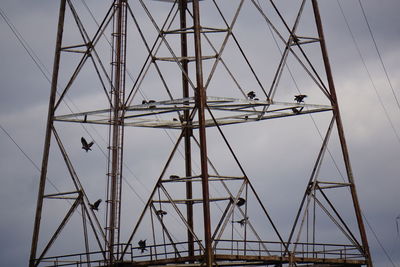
x: 168, y: 114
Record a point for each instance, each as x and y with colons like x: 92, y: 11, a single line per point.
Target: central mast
x: 188, y: 130
x: 200, y: 99
x: 116, y: 129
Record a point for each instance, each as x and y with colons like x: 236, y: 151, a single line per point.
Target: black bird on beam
x: 299, y: 98
x: 85, y: 145
x: 95, y: 205
x: 142, y: 245
x: 242, y: 221
x: 161, y: 213
x: 251, y: 95
x: 240, y: 202
x: 297, y: 110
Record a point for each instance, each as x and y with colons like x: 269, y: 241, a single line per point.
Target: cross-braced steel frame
x: 209, y: 238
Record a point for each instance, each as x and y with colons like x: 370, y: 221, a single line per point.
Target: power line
x: 27, y: 156
x: 379, y: 54
x: 45, y: 72
x: 379, y: 242
x: 383, y: 106
x: 368, y: 73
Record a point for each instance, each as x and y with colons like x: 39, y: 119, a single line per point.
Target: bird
x: 240, y: 202
x: 150, y: 102
x: 242, y: 221
x: 95, y: 205
x: 142, y: 245
x: 161, y: 213
x: 172, y: 177
x: 175, y: 119
x: 299, y: 98
x: 296, y: 110
x: 251, y: 94
x: 85, y: 118
x: 85, y: 145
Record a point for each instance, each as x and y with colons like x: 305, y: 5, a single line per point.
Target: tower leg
x: 342, y: 138
x: 46, y: 149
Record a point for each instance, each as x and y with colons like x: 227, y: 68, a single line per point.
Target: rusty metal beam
x: 50, y: 119
x: 187, y: 130
x: 201, y: 100
x: 342, y: 138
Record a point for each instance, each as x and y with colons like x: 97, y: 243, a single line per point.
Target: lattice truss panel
x: 280, y: 192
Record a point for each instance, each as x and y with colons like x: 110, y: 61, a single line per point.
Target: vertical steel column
x: 187, y: 130
x: 116, y: 135
x: 342, y: 138
x: 50, y: 119
x: 200, y: 96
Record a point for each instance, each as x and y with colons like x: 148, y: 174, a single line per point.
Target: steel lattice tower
x: 175, y: 51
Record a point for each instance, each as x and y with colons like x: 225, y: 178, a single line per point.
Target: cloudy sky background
x: 373, y: 145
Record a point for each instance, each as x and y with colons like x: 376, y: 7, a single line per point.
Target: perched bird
x: 172, y: 177
x: 240, y: 202
x: 242, y: 221
x: 95, y: 205
x: 251, y: 94
x: 161, y: 213
x: 144, y: 102
x: 175, y: 119
x: 150, y: 102
x: 299, y: 98
x: 296, y: 110
x: 85, y: 145
x: 142, y: 245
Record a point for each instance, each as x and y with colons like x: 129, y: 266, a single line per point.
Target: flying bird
x: 95, y: 205
x: 85, y: 145
x: 240, y: 202
x: 251, y: 95
x: 142, y: 245
x: 161, y: 213
x: 299, y: 98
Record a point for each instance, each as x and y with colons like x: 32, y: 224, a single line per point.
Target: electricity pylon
x: 175, y: 52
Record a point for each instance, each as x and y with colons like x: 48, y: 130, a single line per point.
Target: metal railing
x: 237, y: 248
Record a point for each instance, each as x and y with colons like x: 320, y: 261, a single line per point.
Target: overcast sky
x: 370, y: 129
